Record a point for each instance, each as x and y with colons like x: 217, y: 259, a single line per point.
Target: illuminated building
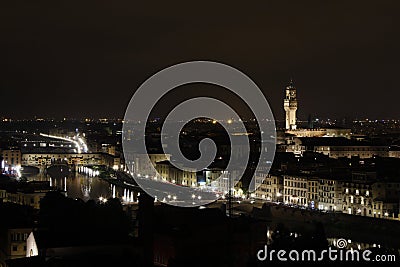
x: 12, y: 157
x: 290, y: 107
x: 270, y: 187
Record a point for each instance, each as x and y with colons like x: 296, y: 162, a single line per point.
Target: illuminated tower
x: 290, y: 106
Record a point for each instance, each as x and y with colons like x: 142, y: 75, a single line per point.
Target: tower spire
x: 291, y: 83
x: 290, y: 106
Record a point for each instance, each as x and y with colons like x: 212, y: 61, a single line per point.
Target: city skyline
x: 199, y: 133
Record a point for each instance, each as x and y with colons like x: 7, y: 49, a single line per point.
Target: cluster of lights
x: 77, y: 144
x: 121, y: 167
x: 10, y: 169
x: 168, y: 198
x: 128, y: 196
x: 173, y: 197
x: 88, y: 171
x: 81, y: 143
x: 194, y: 197
x: 102, y: 199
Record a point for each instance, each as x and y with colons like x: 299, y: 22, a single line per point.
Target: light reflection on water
x: 77, y: 185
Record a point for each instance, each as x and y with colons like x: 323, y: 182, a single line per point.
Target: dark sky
x: 86, y: 58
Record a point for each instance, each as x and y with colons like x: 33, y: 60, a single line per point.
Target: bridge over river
x: 83, y: 186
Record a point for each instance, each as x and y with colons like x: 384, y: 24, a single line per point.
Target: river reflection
x: 81, y: 186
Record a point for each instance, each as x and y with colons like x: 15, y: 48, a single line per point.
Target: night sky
x: 86, y: 58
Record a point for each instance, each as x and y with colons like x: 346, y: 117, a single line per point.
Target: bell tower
x: 290, y: 106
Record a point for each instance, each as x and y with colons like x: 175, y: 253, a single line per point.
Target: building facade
x: 13, y: 243
x: 28, y: 194
x: 12, y: 157
x: 333, y: 147
x: 295, y: 190
x: 365, y: 198
x: 270, y: 187
x: 167, y: 172
x: 40, y: 159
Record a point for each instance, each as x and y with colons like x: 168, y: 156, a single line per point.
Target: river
x: 77, y: 185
